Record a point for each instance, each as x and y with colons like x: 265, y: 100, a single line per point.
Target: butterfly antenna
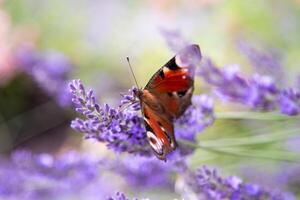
x: 132, y: 72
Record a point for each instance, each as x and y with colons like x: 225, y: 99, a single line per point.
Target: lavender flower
x: 144, y: 173
x: 289, y: 178
x: 131, y: 100
x: 197, y: 117
x: 71, y: 167
x: 289, y: 101
x: 122, y: 130
x: 265, y: 62
x: 262, y: 92
x: 119, y: 196
x: 228, y: 83
x: 257, y: 92
x: 174, y: 39
x: 50, y: 70
x: 28, y: 176
x: 208, y: 184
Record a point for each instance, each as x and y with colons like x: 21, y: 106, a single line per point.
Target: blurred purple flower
x: 174, y: 39
x: 197, y: 117
x: 50, y: 70
x: 71, y: 166
x: 119, y: 196
x: 228, y: 83
x: 208, y: 184
x: 289, y: 101
x: 289, y: 178
x: 262, y: 93
x: 27, y: 176
x: 258, y: 92
x: 144, y: 173
x: 264, y: 62
x: 122, y: 129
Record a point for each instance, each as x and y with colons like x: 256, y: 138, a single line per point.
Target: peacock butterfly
x: 166, y: 97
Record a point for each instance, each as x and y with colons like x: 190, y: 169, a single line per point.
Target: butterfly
x: 166, y: 97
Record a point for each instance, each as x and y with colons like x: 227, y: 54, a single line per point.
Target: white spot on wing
x: 175, y: 94
x: 158, y: 146
x: 172, y: 144
x: 163, y: 129
x: 190, y: 90
x: 146, y: 120
x: 166, y: 70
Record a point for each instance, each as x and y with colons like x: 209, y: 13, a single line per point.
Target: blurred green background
x: 98, y: 35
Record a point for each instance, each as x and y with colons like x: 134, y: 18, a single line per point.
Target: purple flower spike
x: 196, y: 118
x: 258, y: 92
x: 119, y: 196
x: 142, y: 172
x: 265, y: 62
x: 289, y: 101
x: 208, y: 184
x: 228, y: 83
x: 50, y: 70
x: 174, y: 39
x: 262, y: 93
x: 43, y: 176
x: 131, y: 100
x: 122, y: 130
x: 85, y: 102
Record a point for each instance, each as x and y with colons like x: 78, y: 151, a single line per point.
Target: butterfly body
x: 166, y: 97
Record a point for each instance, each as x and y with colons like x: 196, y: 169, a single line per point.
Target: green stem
x: 264, y: 154
x: 253, y: 115
x: 249, y: 153
x: 252, y: 140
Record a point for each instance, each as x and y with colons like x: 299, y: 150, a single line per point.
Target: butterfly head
x: 138, y: 93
